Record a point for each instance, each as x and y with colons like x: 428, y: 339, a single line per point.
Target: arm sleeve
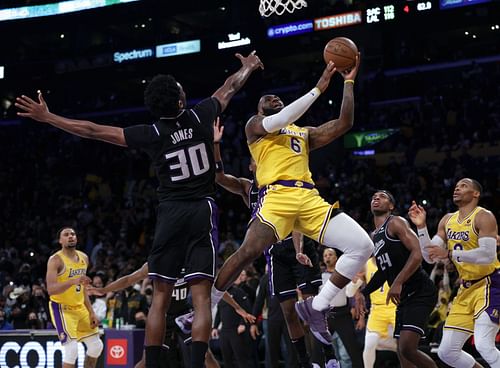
x: 375, y: 283
x: 424, y: 240
x: 291, y: 113
x: 140, y: 136
x: 485, y: 254
x: 207, y: 110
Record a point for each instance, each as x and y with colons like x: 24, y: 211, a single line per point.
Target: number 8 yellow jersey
x: 461, y: 235
x: 282, y: 155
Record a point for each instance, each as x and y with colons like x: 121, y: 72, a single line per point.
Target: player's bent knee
x: 447, y: 354
x: 70, y: 352
x: 94, y: 346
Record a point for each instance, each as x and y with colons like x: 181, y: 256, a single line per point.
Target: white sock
x: 325, y: 296
x: 216, y: 297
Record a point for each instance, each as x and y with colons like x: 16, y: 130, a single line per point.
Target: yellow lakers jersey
x: 379, y: 296
x: 461, y: 235
x: 282, y: 155
x: 73, y: 295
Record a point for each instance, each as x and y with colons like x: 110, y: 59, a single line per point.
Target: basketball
x: 342, y: 51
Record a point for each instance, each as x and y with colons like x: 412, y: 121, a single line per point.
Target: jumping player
x: 286, y: 274
x: 288, y: 200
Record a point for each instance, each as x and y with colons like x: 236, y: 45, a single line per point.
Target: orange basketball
x: 342, y: 51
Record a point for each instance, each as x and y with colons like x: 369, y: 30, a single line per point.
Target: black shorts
x: 414, y: 310
x: 286, y: 274
x: 186, y: 236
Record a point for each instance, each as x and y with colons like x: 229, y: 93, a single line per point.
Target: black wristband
x: 219, y: 167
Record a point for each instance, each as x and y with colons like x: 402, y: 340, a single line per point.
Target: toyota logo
x: 116, y: 351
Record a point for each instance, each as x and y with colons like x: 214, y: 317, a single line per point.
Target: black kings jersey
x: 391, y: 256
x: 181, y: 149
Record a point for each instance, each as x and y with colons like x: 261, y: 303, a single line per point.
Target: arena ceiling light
x: 2, y: 69
x: 62, y: 7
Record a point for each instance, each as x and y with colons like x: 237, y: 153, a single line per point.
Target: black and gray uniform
x: 418, y: 296
x: 181, y: 150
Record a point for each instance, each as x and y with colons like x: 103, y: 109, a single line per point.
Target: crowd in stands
x: 50, y: 179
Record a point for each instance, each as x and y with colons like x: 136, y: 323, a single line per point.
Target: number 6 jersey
x: 282, y: 155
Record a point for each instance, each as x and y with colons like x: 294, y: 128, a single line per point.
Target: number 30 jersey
x: 181, y: 149
x: 282, y: 155
x: 391, y: 256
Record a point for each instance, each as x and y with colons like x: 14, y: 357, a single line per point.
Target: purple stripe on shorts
x: 56, y: 312
x: 268, y: 255
x: 196, y: 276
x: 158, y: 277
x: 493, y: 309
x: 262, y: 193
x: 214, y: 233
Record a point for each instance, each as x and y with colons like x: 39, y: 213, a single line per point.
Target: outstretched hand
x: 218, y: 130
x: 417, y: 214
x: 252, y: 61
x: 350, y: 74
x: 31, y: 109
x: 92, y: 290
x: 324, y: 80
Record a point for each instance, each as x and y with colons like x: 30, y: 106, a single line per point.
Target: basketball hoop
x: 268, y: 7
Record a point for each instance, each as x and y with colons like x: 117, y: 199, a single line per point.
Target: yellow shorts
x: 380, y: 318
x: 468, y: 305
x: 286, y: 208
x: 71, y: 322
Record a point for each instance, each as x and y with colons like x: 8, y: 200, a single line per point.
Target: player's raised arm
x: 122, y: 282
x: 239, y: 186
x: 327, y: 132
x: 418, y: 216
x: 263, y: 123
x: 39, y: 111
x: 234, y: 82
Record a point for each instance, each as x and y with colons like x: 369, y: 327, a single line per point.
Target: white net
x: 268, y: 7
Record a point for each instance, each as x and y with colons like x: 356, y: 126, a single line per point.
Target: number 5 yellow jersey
x: 282, y: 155
x: 72, y: 296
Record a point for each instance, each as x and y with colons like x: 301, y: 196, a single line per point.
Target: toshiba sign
x: 337, y: 21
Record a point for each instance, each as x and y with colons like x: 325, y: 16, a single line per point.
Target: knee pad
x: 485, y: 332
x: 70, y: 352
x: 450, y: 350
x: 94, y: 346
x: 371, y: 340
x: 346, y: 235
